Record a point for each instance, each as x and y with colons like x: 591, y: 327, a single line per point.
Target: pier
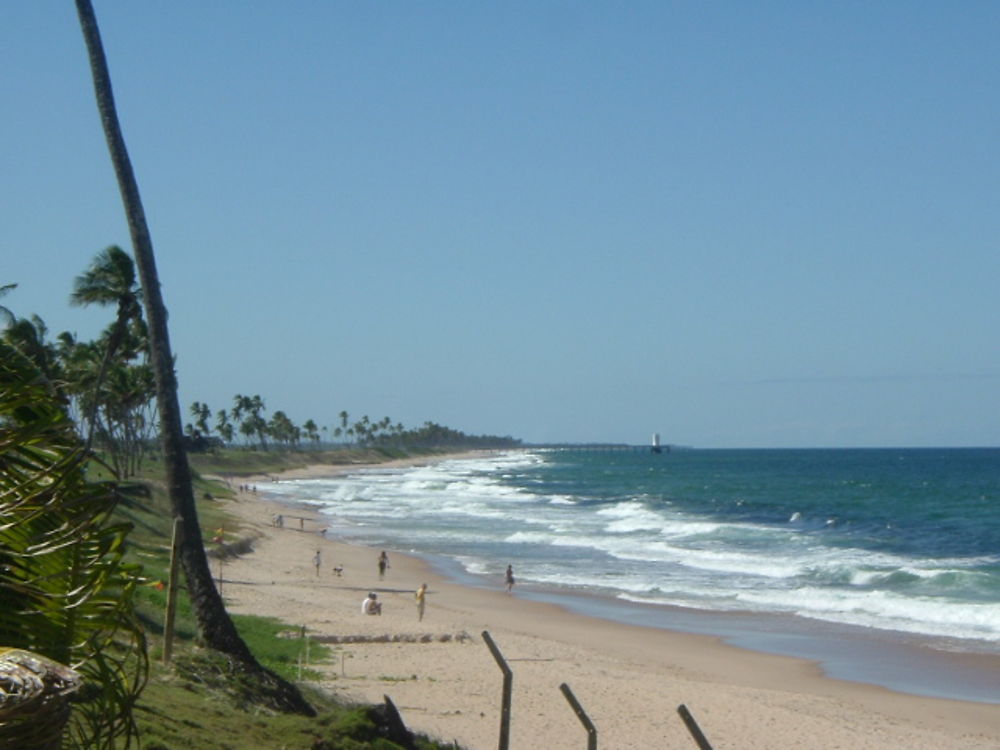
x: 600, y: 447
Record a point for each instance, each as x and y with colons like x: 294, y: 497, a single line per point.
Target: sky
x: 766, y: 224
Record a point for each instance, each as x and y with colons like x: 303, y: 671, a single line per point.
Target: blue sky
x: 768, y: 224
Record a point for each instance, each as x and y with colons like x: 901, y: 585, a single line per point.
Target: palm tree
x: 118, y: 396
x: 28, y: 335
x: 110, y: 280
x: 214, y: 623
x: 343, y: 422
x: 201, y: 414
x: 312, y: 430
x: 247, y: 414
x: 257, y: 420
x: 224, y: 426
x: 281, y: 428
x: 6, y: 316
x: 241, y: 405
x: 126, y: 400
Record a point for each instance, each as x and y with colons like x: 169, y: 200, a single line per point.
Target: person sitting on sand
x: 371, y: 605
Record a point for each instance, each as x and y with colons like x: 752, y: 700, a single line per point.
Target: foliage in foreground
x: 66, y: 589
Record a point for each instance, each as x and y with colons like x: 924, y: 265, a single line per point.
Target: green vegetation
x: 66, y: 585
x: 191, y: 715
x: 203, y: 699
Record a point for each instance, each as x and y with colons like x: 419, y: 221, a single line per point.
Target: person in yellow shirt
x: 421, y: 597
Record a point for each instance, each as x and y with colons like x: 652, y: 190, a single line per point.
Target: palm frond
x: 65, y: 590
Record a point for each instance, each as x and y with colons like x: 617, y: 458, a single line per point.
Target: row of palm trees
x: 247, y: 417
x: 110, y: 388
x: 107, y: 384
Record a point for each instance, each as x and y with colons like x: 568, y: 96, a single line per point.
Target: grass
x: 182, y: 710
x: 201, y: 700
x: 246, y: 462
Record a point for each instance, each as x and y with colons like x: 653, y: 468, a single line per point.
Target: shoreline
x: 920, y: 664
x: 629, y: 678
x: 841, y: 652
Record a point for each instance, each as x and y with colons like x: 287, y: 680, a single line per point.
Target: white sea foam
x: 562, y: 500
x: 882, y: 609
x: 598, y: 580
x: 483, y: 513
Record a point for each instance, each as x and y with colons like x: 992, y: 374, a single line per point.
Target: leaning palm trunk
x: 214, y: 623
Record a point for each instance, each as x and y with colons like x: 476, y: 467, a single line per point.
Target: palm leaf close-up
x: 65, y: 588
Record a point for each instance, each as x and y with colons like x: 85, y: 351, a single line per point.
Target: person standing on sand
x: 383, y: 563
x: 421, y: 597
x: 509, y: 578
x: 317, y: 559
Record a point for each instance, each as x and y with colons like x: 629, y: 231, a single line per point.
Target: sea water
x: 792, y: 549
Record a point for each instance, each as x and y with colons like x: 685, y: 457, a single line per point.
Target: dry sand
x: 630, y: 680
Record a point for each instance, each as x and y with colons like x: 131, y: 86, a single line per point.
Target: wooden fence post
x: 508, y: 679
x: 398, y: 732
x: 168, y: 623
x: 582, y: 716
x: 693, y: 728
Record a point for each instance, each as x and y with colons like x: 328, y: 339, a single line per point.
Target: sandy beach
x: 630, y: 680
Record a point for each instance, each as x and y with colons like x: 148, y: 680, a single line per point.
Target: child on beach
x: 509, y: 578
x: 383, y: 563
x: 317, y: 559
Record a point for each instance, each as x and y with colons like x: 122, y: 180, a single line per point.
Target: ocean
x: 882, y: 565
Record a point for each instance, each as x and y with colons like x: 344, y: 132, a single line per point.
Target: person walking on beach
x: 317, y: 559
x: 421, y: 597
x: 383, y: 563
x: 509, y: 578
